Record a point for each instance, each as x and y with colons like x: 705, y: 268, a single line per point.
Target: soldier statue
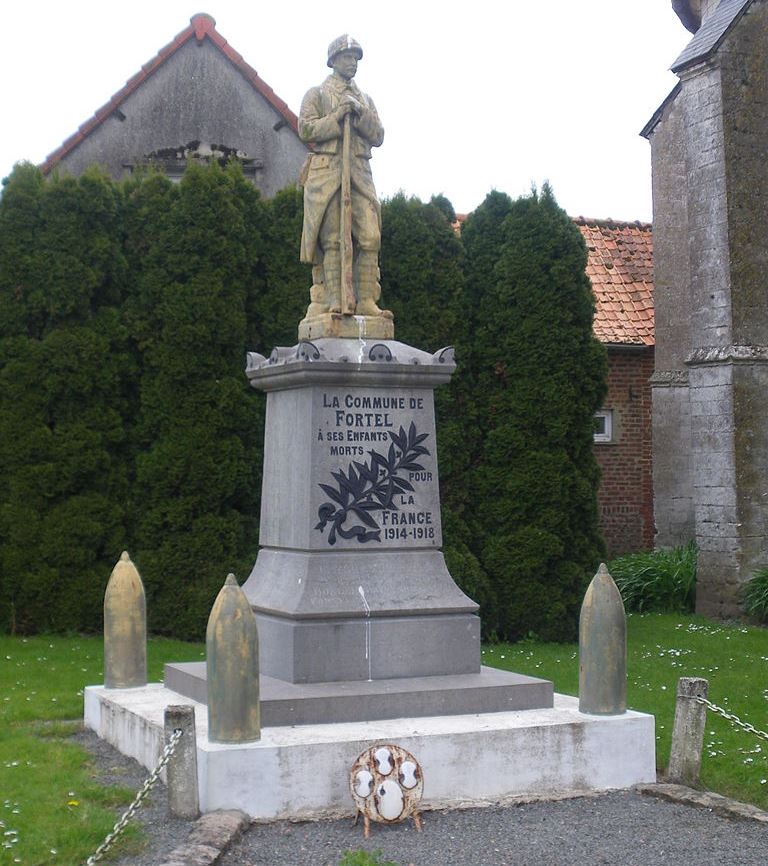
x: 341, y: 234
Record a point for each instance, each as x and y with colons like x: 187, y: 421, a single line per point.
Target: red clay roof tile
x: 620, y: 266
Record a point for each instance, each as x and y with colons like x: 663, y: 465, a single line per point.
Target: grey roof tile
x: 711, y: 32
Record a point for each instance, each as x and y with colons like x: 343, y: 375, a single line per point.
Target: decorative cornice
x: 346, y: 362
x: 669, y: 379
x: 728, y: 355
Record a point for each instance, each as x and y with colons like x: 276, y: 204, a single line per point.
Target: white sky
x: 474, y: 95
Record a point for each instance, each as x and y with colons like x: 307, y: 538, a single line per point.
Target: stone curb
x: 723, y: 806
x: 208, y: 839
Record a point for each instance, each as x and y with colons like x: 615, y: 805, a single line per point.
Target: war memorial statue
x: 350, y: 583
x: 341, y: 235
x: 361, y: 631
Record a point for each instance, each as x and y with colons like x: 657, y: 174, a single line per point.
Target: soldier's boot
x: 317, y: 294
x: 368, y: 288
x: 332, y: 279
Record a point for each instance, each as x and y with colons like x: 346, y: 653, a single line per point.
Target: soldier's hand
x: 348, y: 105
x: 343, y: 109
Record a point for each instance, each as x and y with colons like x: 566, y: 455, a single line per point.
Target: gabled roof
x: 201, y: 27
x: 711, y: 33
x: 620, y: 266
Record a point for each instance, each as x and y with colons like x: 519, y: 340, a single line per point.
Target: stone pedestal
x: 350, y: 582
x: 357, y: 614
x: 364, y: 637
x: 284, y: 703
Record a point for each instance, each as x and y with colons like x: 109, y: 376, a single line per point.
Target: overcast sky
x: 474, y: 95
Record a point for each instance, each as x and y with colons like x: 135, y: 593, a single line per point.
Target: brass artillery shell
x: 125, y: 628
x: 602, y: 648
x: 232, y: 646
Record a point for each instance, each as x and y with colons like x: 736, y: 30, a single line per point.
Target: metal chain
x: 730, y: 716
x: 166, y: 755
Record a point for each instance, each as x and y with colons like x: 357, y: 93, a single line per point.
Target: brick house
x: 196, y: 99
x: 620, y: 266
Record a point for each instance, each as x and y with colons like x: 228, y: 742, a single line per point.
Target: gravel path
x: 621, y: 829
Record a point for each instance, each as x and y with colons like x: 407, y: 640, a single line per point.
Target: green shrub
x: 421, y: 273
x: 756, y: 595
x: 664, y: 580
x: 126, y: 420
x: 466, y: 570
x: 198, y: 466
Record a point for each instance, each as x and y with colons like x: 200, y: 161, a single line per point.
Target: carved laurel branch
x: 369, y: 487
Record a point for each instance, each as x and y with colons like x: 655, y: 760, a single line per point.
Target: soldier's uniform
x: 321, y: 178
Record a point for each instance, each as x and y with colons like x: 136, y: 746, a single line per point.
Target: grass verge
x: 662, y: 648
x: 52, y: 809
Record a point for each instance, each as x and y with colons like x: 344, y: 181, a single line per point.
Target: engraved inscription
x: 376, y: 450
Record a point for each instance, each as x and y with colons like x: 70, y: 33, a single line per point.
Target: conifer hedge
x: 65, y: 389
x: 197, y: 451
x: 126, y: 420
x: 540, y: 378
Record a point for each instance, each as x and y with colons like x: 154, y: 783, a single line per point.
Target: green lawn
x: 662, y: 648
x: 49, y: 801
x: 51, y: 808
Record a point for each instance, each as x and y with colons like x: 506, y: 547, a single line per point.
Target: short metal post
x: 183, y: 798
x: 688, y: 731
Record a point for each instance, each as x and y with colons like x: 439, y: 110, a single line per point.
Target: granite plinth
x: 361, y: 614
x: 350, y: 582
x: 284, y: 703
x: 324, y: 650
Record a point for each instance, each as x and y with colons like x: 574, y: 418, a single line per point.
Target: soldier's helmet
x: 344, y: 43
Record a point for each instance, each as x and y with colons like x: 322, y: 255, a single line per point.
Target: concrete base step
x: 303, y: 771
x: 284, y: 703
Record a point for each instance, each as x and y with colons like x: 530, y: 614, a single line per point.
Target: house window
x: 603, y: 426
